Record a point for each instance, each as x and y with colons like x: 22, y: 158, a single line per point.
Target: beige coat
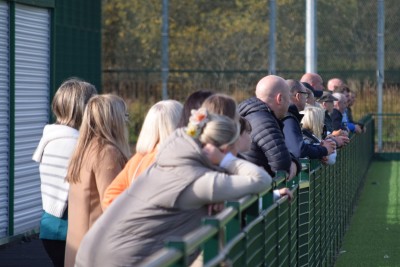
x: 84, y: 201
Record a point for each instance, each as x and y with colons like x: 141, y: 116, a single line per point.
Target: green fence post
x: 304, y: 213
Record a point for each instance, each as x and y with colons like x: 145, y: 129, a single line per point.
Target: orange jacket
x: 133, y: 168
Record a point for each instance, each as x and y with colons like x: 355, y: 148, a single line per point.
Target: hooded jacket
x: 167, y: 200
x: 53, y: 153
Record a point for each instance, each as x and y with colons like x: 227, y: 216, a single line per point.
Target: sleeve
x: 313, y: 151
x: 336, y: 120
x: 268, y: 136
x: 293, y: 136
x: 108, y: 167
x: 351, y: 127
x: 243, y: 178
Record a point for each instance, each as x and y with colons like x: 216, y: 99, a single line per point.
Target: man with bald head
x: 264, y: 112
x: 334, y: 84
x: 314, y: 80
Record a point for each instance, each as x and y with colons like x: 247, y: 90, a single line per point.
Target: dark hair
x: 244, y: 125
x: 193, y: 101
x: 221, y: 104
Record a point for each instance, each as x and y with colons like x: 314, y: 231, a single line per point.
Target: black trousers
x: 56, y: 251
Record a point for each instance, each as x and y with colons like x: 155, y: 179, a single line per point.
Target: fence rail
x: 306, y: 231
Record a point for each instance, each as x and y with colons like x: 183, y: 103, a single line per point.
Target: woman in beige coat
x: 100, y: 154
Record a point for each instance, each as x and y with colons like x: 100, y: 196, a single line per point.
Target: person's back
x: 170, y: 197
x: 101, y: 153
x: 53, y: 153
x: 264, y: 111
x: 160, y: 121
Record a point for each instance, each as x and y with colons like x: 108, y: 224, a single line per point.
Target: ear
x: 278, y: 98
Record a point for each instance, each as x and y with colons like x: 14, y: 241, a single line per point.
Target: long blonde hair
x: 104, y: 122
x: 313, y: 120
x: 161, y: 120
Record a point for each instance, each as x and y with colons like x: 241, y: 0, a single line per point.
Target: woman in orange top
x: 161, y: 120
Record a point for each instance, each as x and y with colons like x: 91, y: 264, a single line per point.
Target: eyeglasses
x: 126, y: 116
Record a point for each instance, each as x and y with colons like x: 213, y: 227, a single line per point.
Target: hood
x: 53, y: 132
x: 180, y: 149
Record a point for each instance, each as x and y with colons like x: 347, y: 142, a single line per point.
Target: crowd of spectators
x: 102, y: 207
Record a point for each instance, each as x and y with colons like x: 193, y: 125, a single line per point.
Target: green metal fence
x: 307, y: 231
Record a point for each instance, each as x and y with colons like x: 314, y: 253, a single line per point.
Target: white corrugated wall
x: 32, y: 87
x: 4, y: 116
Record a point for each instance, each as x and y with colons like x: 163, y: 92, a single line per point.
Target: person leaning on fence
x: 264, y: 111
x: 101, y: 153
x: 335, y: 83
x: 350, y: 102
x: 292, y: 129
x: 161, y: 120
x: 339, y: 107
x: 312, y: 129
x: 313, y: 94
x: 53, y: 154
x: 193, y: 101
x: 315, y: 80
x: 197, y: 169
x: 347, y: 116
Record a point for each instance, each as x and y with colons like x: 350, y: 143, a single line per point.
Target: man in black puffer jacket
x: 264, y: 111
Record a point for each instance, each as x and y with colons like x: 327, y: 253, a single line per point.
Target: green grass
x: 373, y: 238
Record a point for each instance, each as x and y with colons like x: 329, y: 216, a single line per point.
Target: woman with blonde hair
x: 193, y: 168
x: 53, y: 154
x: 101, y: 153
x: 313, y: 130
x: 161, y: 120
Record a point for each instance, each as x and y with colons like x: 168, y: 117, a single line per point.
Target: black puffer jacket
x: 268, y: 148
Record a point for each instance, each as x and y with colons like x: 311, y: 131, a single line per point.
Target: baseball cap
x: 316, y: 93
x: 327, y: 97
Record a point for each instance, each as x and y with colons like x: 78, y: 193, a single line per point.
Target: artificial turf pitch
x: 373, y: 238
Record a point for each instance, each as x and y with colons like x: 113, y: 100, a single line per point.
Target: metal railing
x: 307, y: 231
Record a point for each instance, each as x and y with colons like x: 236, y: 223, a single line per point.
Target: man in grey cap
x: 326, y: 102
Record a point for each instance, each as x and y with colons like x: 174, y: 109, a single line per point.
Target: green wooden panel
x: 78, y: 41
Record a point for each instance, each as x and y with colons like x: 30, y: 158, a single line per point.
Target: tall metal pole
x: 164, y: 50
x: 272, y: 30
x: 311, y: 30
x: 380, y: 65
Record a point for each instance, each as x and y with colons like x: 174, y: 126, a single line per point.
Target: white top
x: 53, y: 153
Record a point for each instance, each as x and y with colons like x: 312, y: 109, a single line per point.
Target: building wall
x: 42, y: 43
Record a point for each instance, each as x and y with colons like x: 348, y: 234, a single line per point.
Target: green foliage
x: 137, y: 111
x: 223, y: 46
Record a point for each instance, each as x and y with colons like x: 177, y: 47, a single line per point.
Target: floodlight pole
x: 272, y: 31
x: 164, y: 50
x: 380, y: 65
x: 311, y: 32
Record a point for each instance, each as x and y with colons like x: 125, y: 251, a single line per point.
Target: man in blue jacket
x: 292, y: 129
x: 264, y: 111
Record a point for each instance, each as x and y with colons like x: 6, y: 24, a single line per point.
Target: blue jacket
x: 294, y: 137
